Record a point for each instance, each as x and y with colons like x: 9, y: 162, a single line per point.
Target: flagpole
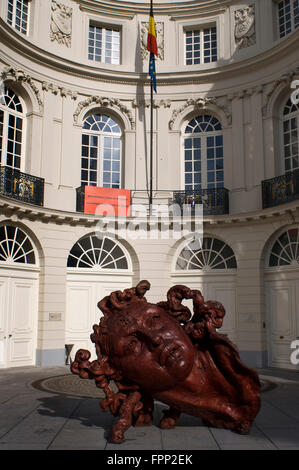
x: 151, y: 152
x: 153, y: 50
x: 151, y: 139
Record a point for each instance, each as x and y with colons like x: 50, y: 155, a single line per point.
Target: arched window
x: 208, y: 254
x: 94, y: 252
x: 11, y: 129
x: 101, y: 152
x: 15, y: 246
x: 203, y: 153
x: 290, y: 136
x: 285, y: 251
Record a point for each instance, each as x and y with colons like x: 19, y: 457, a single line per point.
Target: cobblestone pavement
x: 48, y: 408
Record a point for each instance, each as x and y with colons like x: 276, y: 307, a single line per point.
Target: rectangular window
x: 288, y: 16
x: 14, y: 139
x: 106, y: 150
x: 111, y: 161
x: 18, y: 15
x: 201, y: 46
x: 193, y: 164
x: 104, y: 44
x: 1, y: 133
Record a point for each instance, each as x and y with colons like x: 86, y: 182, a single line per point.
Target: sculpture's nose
x: 154, y: 339
x: 157, y: 339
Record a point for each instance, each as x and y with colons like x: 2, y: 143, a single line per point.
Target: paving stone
x: 284, y: 438
x: 270, y: 415
x: 74, y: 436
x: 140, y: 438
x: 228, y: 440
x: 184, y: 438
x: 41, y: 425
x: 22, y: 446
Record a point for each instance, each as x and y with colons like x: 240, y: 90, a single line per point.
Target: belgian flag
x: 152, y: 47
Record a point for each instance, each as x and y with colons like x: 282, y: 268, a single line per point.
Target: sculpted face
x: 150, y: 348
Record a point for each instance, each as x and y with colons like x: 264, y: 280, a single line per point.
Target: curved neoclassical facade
x: 75, y: 114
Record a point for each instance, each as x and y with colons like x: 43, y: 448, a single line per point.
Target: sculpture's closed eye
x: 132, y: 345
x: 153, y: 321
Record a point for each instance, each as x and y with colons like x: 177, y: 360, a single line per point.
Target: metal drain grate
x: 70, y: 385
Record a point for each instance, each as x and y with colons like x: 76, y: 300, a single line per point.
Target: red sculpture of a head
x: 162, y: 351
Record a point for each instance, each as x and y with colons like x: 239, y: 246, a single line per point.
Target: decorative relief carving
x: 55, y: 89
x: 61, y: 23
x: 202, y: 104
x: 285, y: 79
x: 160, y: 39
x: 106, y: 103
x: 245, y: 34
x: 146, y: 103
x: 10, y: 73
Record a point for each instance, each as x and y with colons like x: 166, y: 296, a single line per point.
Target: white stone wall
x: 245, y: 89
x: 154, y: 260
x: 244, y: 83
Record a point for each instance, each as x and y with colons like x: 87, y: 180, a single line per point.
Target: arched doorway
x: 95, y: 268
x: 282, y: 297
x: 210, y: 266
x: 19, y: 275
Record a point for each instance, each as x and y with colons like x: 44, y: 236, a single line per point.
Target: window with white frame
x: 288, y: 16
x: 104, y: 44
x: 201, y: 46
x: 15, y: 246
x: 203, y: 153
x: 290, y: 135
x: 92, y: 252
x: 285, y: 250
x: 206, y: 254
x: 18, y: 15
x: 101, y: 152
x: 11, y: 129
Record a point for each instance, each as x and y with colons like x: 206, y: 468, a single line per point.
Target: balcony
x: 214, y: 201
x: 21, y: 186
x: 282, y: 189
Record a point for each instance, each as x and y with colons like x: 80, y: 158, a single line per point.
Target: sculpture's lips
x: 171, y: 352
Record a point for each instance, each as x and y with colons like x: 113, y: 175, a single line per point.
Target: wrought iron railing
x: 80, y: 195
x: 282, y: 189
x: 214, y: 201
x: 21, y: 186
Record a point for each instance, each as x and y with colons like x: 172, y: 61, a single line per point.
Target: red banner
x: 109, y: 201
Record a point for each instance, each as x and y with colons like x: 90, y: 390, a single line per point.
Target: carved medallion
x: 61, y: 23
x: 245, y: 34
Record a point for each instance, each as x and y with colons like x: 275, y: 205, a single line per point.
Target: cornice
x: 17, y: 210
x: 33, y: 52
x: 174, y: 10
